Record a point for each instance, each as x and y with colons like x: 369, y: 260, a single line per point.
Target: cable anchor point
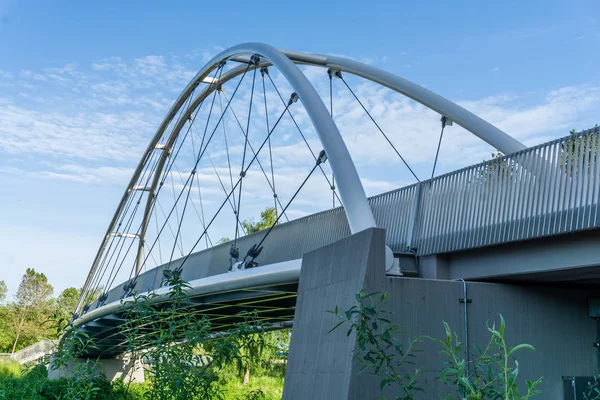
x: 322, y: 157
x: 255, y: 59
x: 293, y: 98
x: 334, y: 72
x: 234, y: 252
x: 446, y: 121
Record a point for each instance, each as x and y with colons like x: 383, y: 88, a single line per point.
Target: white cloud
x: 561, y: 110
x: 150, y: 65
x: 113, y: 63
x: 74, y: 134
x: 32, y: 75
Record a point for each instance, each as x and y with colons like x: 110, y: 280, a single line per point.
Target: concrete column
x: 320, y: 364
x: 130, y: 370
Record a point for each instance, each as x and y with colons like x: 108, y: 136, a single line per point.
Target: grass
x: 258, y: 388
x: 32, y: 383
x: 9, y: 367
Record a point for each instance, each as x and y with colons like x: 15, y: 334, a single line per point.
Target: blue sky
x: 83, y: 86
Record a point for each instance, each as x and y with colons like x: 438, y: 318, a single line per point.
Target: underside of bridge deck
x: 273, y: 305
x: 571, y: 259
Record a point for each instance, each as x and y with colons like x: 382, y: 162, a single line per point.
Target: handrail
x: 33, y: 352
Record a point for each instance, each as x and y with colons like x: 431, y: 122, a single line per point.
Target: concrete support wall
x: 130, y: 370
x: 320, y: 365
x: 554, y: 320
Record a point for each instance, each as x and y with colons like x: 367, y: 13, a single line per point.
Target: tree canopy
x: 33, y: 314
x: 31, y: 307
x: 267, y: 219
x: 3, y: 290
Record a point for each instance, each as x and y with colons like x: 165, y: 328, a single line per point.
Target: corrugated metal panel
x: 544, y: 190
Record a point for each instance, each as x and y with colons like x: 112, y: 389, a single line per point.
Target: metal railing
x: 32, y: 353
x: 544, y: 190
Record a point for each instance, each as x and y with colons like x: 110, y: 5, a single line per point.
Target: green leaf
x: 335, y: 327
x: 520, y: 347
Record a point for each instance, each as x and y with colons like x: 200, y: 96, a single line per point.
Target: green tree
x: 576, y: 148
x: 65, y: 304
x: 6, y: 339
x: 257, y: 348
x: 3, y: 290
x: 29, y: 313
x: 267, y: 219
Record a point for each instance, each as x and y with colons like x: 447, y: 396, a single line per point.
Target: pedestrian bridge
x: 530, y: 215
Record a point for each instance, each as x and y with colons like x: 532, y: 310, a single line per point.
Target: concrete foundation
x: 130, y: 370
x: 552, y: 319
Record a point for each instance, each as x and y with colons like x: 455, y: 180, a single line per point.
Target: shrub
x: 381, y: 352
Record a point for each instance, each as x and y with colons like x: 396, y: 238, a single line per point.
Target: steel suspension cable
x: 170, y: 164
x: 219, y: 72
x: 187, y: 198
x: 95, y: 284
x: 263, y: 71
x: 165, y: 174
x: 225, y: 191
x: 256, y: 249
x: 203, y: 150
x: 303, y: 137
x: 227, y: 147
x: 254, y: 60
x: 162, y: 210
x: 293, y: 99
x: 276, y: 197
x: 437, y: 153
x: 176, y: 212
x: 202, y: 219
x: 192, y: 174
x: 339, y: 75
x: 106, y: 259
x: 159, y: 247
x: 85, y: 290
x: 330, y: 73
x: 181, y: 112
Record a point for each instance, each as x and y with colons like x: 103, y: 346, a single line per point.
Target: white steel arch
x: 350, y: 188
x: 351, y: 192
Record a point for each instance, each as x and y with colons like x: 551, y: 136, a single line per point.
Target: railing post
x: 413, y: 217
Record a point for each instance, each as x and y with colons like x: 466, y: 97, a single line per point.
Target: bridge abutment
x: 128, y: 369
x: 552, y: 319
